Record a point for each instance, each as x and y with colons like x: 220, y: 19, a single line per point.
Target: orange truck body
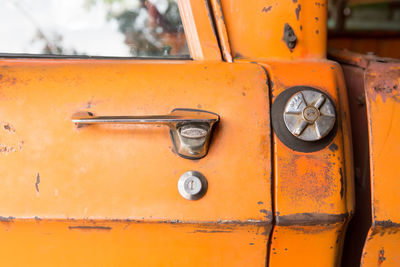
x: 106, y: 195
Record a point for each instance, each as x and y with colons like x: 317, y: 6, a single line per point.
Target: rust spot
x: 6, y: 80
x: 6, y: 219
x: 243, y: 94
x: 385, y: 90
x: 266, y: 9
x: 361, y: 100
x: 294, y: 1
x: 86, y: 227
x: 383, y: 79
x: 211, y: 231
x: 251, y: 244
x: 238, y: 55
x: 333, y: 147
x: 289, y: 37
x: 317, y: 31
x: 384, y: 227
x: 9, y: 148
x: 381, y: 256
x: 37, y: 183
x: 225, y: 226
x: 341, y: 183
x: 6, y: 149
x: 260, y: 202
x: 387, y: 224
x: 268, y: 214
x: 308, y: 219
x: 298, y: 9
x: 8, y: 127
x: 303, y: 181
x: 316, y: 18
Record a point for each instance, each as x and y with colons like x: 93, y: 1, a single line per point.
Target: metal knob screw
x: 192, y: 185
x: 309, y: 115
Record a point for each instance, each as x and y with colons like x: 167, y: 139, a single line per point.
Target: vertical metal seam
x: 272, y: 161
x: 223, y: 38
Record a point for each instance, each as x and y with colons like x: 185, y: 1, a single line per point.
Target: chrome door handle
x: 190, y: 129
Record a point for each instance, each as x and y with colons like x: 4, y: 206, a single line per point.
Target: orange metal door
x: 106, y: 195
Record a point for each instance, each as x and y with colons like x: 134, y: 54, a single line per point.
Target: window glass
x: 118, y: 28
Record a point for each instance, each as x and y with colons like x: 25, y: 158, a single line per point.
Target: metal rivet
x: 309, y: 115
x: 192, y: 185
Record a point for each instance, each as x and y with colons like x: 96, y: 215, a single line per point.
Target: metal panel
x: 313, y: 189
x: 110, y: 176
x: 279, y: 29
x: 378, y: 182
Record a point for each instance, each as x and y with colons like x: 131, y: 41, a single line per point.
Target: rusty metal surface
x: 382, y: 80
x: 313, y: 190
x: 374, y: 86
x: 359, y: 225
x: 279, y: 29
x: 348, y: 57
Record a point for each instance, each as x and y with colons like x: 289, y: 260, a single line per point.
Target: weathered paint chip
x: 266, y: 9
x: 298, y: 9
x: 37, y: 183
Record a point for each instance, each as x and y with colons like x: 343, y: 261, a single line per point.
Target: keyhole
x: 191, y: 185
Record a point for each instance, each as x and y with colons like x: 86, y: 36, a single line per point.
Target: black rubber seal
x: 50, y: 56
x: 280, y: 129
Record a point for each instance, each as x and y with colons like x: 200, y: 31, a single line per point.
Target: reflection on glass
x: 126, y: 28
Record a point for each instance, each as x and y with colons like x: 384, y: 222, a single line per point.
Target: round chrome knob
x: 309, y: 115
x: 192, y: 185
